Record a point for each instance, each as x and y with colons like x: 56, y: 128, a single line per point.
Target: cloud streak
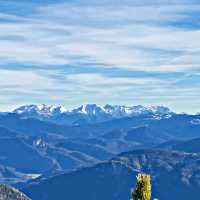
x: 132, y: 37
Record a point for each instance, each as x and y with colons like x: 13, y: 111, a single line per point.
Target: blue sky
x: 74, y: 52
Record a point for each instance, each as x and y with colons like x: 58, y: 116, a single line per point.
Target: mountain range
x: 47, y: 146
x: 89, y: 113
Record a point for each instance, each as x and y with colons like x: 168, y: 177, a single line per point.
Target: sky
x: 73, y: 52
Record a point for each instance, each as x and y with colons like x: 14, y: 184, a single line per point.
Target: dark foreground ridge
x: 8, y: 193
x: 177, y: 172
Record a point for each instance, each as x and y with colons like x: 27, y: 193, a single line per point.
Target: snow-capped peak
x: 41, y: 109
x: 135, y: 110
x: 91, y: 109
x: 90, y: 113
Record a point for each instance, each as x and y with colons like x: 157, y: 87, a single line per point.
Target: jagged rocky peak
x: 8, y: 193
x: 116, y: 110
x: 136, y: 110
x: 93, y: 109
x: 41, y: 109
x: 89, y: 113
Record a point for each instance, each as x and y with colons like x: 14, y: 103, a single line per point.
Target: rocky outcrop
x: 8, y: 193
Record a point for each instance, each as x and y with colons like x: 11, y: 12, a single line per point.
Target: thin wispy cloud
x: 70, y: 48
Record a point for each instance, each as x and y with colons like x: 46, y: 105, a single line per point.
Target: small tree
x: 142, y: 189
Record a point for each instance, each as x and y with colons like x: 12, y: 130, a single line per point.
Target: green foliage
x: 142, y: 189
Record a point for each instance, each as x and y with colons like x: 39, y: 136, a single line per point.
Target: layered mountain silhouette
x: 39, y: 148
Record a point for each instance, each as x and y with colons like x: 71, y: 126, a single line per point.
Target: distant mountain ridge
x: 89, y: 113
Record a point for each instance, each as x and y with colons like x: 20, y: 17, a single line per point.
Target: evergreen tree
x: 142, y: 189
